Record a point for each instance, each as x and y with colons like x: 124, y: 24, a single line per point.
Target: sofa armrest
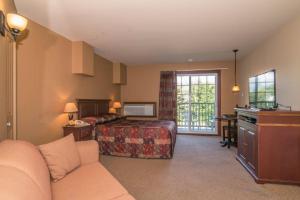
x: 124, y: 197
x: 88, y: 151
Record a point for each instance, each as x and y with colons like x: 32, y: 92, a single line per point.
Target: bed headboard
x: 92, y: 107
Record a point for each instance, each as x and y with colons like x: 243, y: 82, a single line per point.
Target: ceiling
x: 163, y: 31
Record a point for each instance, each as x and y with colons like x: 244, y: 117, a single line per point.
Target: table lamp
x: 117, y: 105
x: 112, y: 111
x: 70, y: 108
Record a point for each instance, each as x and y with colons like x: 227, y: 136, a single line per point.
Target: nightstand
x: 80, y: 132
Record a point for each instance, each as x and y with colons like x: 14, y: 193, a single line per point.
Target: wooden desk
x: 229, y: 118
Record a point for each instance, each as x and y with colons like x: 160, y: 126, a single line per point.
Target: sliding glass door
x: 197, y: 103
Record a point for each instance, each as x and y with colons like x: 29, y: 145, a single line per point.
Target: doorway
x: 198, y: 102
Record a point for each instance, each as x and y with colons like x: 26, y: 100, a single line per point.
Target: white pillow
x: 61, y: 156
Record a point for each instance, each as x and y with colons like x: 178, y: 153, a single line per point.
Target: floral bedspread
x: 138, y: 139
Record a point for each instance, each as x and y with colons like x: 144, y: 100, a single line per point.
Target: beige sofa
x: 24, y: 175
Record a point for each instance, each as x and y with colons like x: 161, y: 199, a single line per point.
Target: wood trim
x: 198, y: 134
x: 146, y: 102
x: 276, y: 125
x: 14, y: 107
x: 92, y: 100
x: 219, y: 87
x: 247, y: 168
x: 198, y: 72
x: 275, y: 114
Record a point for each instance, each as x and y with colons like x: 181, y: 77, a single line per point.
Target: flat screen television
x: 262, y: 90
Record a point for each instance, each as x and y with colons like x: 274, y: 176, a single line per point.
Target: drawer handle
x: 251, y: 133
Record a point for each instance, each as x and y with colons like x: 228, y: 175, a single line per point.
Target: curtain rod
x: 210, y: 69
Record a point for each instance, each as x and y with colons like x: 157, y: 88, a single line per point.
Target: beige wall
x: 281, y: 52
x: 45, y: 84
x: 7, y: 6
x: 143, y: 82
x: 6, y: 63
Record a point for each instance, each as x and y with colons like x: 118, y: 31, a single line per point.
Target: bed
x: 118, y: 136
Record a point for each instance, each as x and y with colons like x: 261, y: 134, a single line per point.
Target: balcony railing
x: 200, y: 119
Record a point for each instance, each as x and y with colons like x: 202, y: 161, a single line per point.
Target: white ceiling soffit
x: 163, y: 31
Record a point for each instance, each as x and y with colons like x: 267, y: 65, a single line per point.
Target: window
x: 197, y: 102
x: 262, y: 92
x: 140, y: 109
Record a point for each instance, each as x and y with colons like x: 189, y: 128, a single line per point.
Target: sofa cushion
x: 61, y: 155
x: 23, y: 165
x: 92, y: 182
x: 16, y: 185
x: 88, y: 151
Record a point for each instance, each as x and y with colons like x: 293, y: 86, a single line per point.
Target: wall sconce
x: 14, y: 24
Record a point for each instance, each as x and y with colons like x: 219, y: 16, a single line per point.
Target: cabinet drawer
x: 247, y: 125
x: 80, y: 133
x: 89, y: 137
x: 247, y: 146
x: 85, y: 133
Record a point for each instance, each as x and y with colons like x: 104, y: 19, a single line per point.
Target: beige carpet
x: 200, y: 169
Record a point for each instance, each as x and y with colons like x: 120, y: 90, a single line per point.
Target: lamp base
x: 2, y: 23
x: 118, y: 111
x: 71, y: 123
x: 70, y: 116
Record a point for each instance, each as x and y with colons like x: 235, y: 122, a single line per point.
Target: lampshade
x: 16, y: 22
x: 112, y: 110
x: 117, y: 104
x: 70, y: 108
x: 235, y: 88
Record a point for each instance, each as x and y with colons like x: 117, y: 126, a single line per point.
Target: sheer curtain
x: 167, y: 96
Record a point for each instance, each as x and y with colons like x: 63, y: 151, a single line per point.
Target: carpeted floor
x: 200, y: 169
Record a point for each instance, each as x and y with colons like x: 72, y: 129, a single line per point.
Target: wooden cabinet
x: 82, y: 58
x: 247, y: 144
x: 268, y: 145
x: 80, y: 132
x: 119, y: 73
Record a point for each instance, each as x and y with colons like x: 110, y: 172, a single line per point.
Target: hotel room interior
x: 149, y: 100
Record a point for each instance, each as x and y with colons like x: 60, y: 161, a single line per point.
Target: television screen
x: 262, y: 90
